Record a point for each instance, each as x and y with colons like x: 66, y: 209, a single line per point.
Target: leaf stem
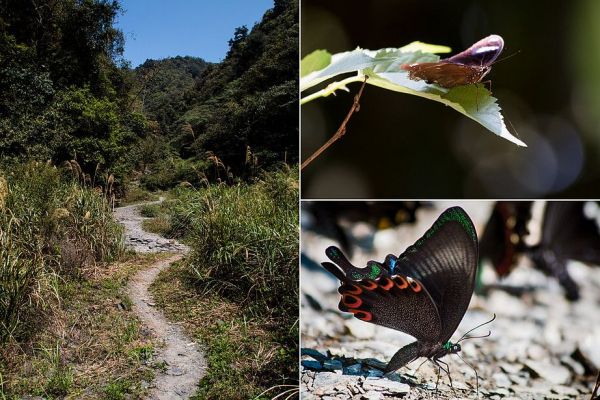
x: 330, y: 89
x: 341, y: 130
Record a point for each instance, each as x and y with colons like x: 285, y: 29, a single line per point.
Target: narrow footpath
x: 184, y: 362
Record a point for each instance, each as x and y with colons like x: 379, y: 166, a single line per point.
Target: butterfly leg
x: 447, y: 371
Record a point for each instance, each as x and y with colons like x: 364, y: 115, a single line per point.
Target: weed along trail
x: 184, y: 362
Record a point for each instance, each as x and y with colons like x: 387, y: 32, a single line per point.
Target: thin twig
x: 341, y: 130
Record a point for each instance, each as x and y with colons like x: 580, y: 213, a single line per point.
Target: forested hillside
x: 242, y: 110
x: 66, y: 94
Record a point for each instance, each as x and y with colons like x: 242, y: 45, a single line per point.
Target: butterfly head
x: 451, y: 348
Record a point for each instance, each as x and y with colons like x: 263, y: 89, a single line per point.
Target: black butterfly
x: 503, y: 239
x: 424, y: 292
x: 567, y: 234
x: 469, y: 66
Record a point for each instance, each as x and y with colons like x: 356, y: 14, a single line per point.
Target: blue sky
x: 201, y: 28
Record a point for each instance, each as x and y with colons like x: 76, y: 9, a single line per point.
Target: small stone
x: 373, y: 362
x: 355, y: 369
x: 501, y: 380
x: 556, y: 374
x: 311, y: 364
x: 359, y: 329
x: 589, y: 346
x: 374, y: 373
x: 386, y: 385
x: 372, y: 395
x: 317, y: 355
x: 511, y: 368
x: 332, y: 365
x: 565, y: 390
x: 576, y: 367
x: 536, y: 352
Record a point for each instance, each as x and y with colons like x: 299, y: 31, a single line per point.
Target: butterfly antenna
x: 508, y: 56
x: 477, y: 327
x: 474, y: 370
x: 477, y: 337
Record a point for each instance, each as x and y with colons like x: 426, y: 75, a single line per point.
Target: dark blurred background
x: 401, y: 146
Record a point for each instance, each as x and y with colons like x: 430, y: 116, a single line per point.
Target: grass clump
x: 50, y: 227
x: 92, y: 348
x: 243, y: 263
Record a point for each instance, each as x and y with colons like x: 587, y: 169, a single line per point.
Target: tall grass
x: 50, y: 225
x: 244, y: 241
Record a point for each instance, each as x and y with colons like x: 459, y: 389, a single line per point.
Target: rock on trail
x: 184, y: 362
x: 138, y: 239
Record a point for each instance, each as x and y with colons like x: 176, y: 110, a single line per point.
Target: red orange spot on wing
x: 362, y: 315
x: 386, y: 283
x: 415, y: 286
x: 369, y: 285
x: 355, y: 290
x: 403, y: 282
x: 351, y: 301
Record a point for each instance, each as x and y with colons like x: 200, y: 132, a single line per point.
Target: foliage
x: 382, y: 67
x: 49, y: 226
x: 248, y: 101
x: 62, y: 360
x: 244, y: 241
x: 163, y: 84
x: 62, y: 94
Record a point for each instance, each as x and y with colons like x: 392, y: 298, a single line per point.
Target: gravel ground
x: 184, y: 362
x: 541, y: 346
x: 138, y: 239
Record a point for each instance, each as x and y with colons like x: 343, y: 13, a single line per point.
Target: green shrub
x: 172, y: 171
x: 49, y: 226
x: 244, y: 241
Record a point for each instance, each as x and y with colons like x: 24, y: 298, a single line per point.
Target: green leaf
x: 383, y: 68
x: 425, y: 48
x: 315, y: 61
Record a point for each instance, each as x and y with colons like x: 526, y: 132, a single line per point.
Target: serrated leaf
x: 425, y: 48
x: 314, y: 61
x: 341, y: 63
x: 474, y: 101
x: 383, y: 67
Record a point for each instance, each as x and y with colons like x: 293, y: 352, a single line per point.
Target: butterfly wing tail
x: 403, y: 356
x: 335, y: 270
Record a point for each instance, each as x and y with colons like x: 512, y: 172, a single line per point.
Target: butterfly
x: 503, y: 238
x: 567, y: 234
x: 464, y: 68
x: 424, y: 292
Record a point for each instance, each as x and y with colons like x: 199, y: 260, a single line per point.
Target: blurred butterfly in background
x: 567, y: 234
x: 464, y: 68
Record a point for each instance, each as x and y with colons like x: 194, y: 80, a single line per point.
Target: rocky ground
x: 541, y: 346
x: 137, y: 238
x: 184, y: 363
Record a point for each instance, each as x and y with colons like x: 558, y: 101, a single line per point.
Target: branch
x: 341, y: 130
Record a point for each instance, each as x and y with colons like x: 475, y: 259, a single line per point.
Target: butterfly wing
x: 482, y: 53
x: 396, y: 302
x: 446, y: 74
x: 373, y: 295
x: 568, y: 232
x: 444, y: 261
x: 503, y: 237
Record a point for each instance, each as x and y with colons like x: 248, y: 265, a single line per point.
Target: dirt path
x: 185, y: 363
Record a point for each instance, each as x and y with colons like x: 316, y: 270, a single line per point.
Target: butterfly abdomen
x: 403, y: 356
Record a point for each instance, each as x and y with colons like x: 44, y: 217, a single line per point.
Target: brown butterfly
x: 464, y: 68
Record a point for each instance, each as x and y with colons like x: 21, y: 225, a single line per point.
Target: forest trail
x: 184, y: 362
